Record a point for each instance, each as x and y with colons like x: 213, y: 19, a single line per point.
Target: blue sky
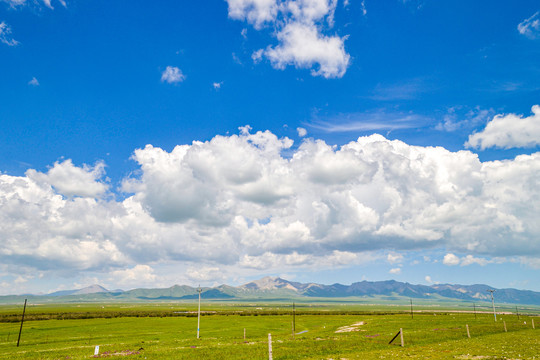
x: 147, y: 144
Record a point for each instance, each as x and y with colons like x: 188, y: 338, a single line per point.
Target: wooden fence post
x: 269, y: 346
x: 532, y: 323
x: 468, y: 333
x: 504, y: 323
x: 400, y: 333
x: 244, y: 333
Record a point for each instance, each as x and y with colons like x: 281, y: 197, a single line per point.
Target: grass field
x: 168, y: 331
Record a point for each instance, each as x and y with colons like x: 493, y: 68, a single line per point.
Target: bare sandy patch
x: 350, y: 328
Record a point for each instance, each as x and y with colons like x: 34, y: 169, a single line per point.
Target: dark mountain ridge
x: 269, y: 288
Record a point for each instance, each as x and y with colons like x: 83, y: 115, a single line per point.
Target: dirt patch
x: 476, y: 357
x: 350, y: 328
x: 118, y: 353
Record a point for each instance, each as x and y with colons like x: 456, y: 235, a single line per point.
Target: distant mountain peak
x: 269, y: 283
x: 92, y: 289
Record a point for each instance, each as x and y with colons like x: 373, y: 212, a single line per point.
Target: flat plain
x: 323, y: 331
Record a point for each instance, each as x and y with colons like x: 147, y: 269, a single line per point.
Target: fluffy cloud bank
x: 237, y: 201
x: 509, y: 131
x: 299, y: 25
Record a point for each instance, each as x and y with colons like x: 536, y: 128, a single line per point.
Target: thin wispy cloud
x: 406, y: 90
x: 5, y: 30
x: 463, y: 118
x: 530, y: 27
x: 20, y: 3
x: 5, y: 35
x: 236, y: 59
x: 14, y: 3
x: 369, y: 121
x: 48, y: 3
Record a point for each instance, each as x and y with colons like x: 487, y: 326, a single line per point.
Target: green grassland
x: 168, y: 331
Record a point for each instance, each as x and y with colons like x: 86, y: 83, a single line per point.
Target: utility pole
x: 293, y: 320
x: 22, y: 321
x: 294, y: 317
x: 199, y: 290
x: 493, y: 304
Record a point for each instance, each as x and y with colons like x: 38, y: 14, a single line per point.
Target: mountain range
x: 275, y: 288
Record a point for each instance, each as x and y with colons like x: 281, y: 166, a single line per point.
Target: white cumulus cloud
x: 33, y: 82
x: 324, y: 198
x: 509, y: 131
x: 451, y: 260
x: 172, y: 75
x: 469, y: 260
x: 137, y: 276
x: 395, y: 271
x: 256, y: 12
x: 299, y: 25
x: 257, y: 56
x: 301, y: 131
x: 303, y: 46
x: 70, y: 180
x: 205, y: 273
x: 394, y: 258
x: 238, y: 202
